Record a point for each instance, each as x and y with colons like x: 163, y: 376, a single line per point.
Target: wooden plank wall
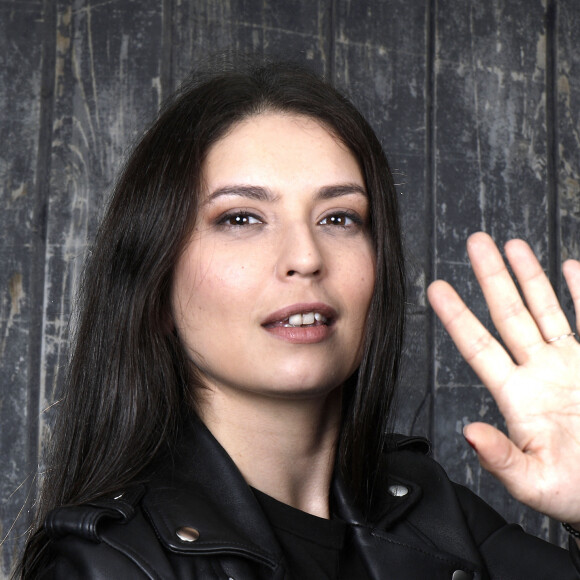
x: 477, y: 104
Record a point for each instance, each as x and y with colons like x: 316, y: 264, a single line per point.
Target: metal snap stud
x: 461, y: 575
x: 187, y: 534
x: 398, y: 491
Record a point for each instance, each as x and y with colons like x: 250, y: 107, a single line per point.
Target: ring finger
x: 540, y: 297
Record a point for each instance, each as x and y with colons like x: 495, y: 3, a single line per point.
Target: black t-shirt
x: 315, y: 548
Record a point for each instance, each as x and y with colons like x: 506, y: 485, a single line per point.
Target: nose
x: 300, y: 253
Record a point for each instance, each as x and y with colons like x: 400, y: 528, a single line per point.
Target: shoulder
x: 104, y: 539
x: 410, y: 458
x: 449, y: 515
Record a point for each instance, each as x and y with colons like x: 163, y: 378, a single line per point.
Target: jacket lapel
x: 199, y: 488
x: 416, y: 529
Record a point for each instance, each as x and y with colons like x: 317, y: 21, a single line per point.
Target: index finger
x: 479, y: 348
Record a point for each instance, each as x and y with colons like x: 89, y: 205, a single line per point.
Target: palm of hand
x: 541, y: 404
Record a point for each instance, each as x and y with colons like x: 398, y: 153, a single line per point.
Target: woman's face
x: 272, y: 292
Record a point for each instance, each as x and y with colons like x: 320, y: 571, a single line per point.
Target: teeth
x: 306, y: 319
x: 295, y: 320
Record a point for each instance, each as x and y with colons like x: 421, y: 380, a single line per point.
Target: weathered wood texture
x: 106, y: 86
x: 490, y: 159
x: 20, y: 246
x: 476, y: 103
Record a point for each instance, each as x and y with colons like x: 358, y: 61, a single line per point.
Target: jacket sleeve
x: 511, y: 554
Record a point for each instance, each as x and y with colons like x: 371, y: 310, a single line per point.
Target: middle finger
x: 510, y: 316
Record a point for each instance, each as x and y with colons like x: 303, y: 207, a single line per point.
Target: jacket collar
x: 386, y: 510
x: 198, y: 486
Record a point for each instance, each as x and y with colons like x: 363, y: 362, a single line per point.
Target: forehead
x: 280, y: 146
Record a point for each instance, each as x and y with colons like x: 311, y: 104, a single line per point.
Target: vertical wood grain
x: 107, y: 86
x: 490, y: 174
x: 21, y: 240
x: 106, y: 81
x: 292, y: 30
x: 568, y: 130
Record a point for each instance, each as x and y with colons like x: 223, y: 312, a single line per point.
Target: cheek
x: 362, y: 291
x: 359, y: 275
x: 219, y: 285
x: 362, y: 295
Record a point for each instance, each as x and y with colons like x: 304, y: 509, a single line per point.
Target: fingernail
x: 470, y: 443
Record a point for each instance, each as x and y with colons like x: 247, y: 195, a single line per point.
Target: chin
x: 307, y: 386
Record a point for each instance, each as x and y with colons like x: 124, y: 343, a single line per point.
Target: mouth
x: 305, y: 319
x: 301, y: 316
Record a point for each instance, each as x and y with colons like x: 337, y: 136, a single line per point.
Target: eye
x: 239, y: 219
x: 342, y: 219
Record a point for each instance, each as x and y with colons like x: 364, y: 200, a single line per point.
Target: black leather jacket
x: 198, y: 519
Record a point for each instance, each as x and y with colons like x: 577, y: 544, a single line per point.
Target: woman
x: 237, y: 353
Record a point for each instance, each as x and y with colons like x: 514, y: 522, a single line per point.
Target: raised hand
x: 537, y: 388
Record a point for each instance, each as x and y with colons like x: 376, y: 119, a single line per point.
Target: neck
x: 283, y: 447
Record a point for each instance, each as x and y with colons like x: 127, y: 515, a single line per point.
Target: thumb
x: 498, y: 455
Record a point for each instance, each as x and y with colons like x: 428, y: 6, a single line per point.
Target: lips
x: 302, y: 323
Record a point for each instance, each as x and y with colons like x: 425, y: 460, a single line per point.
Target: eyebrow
x: 331, y: 191
x: 264, y: 194
x: 249, y: 191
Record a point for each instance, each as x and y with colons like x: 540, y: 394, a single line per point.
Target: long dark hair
x: 129, y: 378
